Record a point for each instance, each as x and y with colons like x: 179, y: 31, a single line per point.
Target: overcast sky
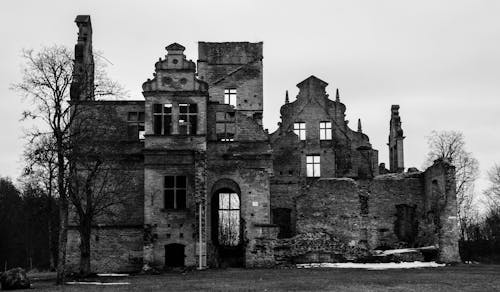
x: 439, y: 60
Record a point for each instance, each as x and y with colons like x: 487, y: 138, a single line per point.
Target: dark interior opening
x: 174, y: 255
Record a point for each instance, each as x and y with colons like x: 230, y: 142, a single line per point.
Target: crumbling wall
x: 117, y: 233
x: 328, y: 223
x: 440, y: 202
x: 343, y: 219
x: 386, y: 195
x: 234, y: 65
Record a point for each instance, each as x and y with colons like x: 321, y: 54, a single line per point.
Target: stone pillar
x: 200, y: 174
x: 449, y: 232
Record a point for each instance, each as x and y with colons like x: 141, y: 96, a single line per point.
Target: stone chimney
x: 396, y: 157
x: 82, y: 86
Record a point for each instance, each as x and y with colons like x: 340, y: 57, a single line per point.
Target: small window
x: 162, y: 119
x: 135, y: 125
x: 325, y: 130
x: 300, y: 130
x: 175, y: 189
x: 313, y: 167
x: 230, y: 96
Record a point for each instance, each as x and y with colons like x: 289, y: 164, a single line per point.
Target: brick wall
x: 113, y: 249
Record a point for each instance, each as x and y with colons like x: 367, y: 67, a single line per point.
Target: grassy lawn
x: 458, y: 278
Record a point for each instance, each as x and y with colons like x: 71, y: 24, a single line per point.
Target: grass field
x: 457, y: 278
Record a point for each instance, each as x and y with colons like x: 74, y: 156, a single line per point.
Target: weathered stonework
x: 200, y: 158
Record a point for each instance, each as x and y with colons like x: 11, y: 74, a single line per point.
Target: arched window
x: 229, y: 219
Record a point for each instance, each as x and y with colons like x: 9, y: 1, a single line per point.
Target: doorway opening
x: 227, y: 227
x: 174, y: 255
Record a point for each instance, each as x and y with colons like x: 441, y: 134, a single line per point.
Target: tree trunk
x: 50, y: 236
x: 51, y: 252
x: 49, y: 226
x: 63, y: 214
x: 63, y: 237
x: 85, y: 232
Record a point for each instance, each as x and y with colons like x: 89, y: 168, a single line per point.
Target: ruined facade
x: 211, y: 187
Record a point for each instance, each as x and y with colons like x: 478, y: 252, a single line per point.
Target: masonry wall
x: 116, y: 236
x: 346, y: 154
x: 384, y: 194
x: 248, y: 165
x: 441, y: 206
x: 113, y: 249
x: 234, y: 65
x: 341, y: 219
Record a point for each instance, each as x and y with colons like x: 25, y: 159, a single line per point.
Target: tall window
x: 229, y: 219
x: 325, y: 130
x: 230, y: 96
x: 175, y: 188
x: 135, y: 125
x: 162, y: 119
x: 300, y: 129
x: 188, y: 114
x: 313, y: 166
x: 225, y: 127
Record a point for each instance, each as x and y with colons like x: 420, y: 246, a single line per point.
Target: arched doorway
x: 226, y: 229
x: 174, y: 255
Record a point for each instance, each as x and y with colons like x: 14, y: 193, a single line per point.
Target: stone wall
x: 117, y: 232
x: 441, y: 205
x: 385, y: 193
x: 113, y: 249
x: 340, y: 219
x: 234, y: 65
x: 346, y: 154
x: 248, y: 166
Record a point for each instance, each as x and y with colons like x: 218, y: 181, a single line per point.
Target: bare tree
x: 450, y: 145
x: 40, y: 173
x: 46, y: 78
x: 493, y: 191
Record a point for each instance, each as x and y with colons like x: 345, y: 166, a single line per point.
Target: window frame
x: 231, y: 97
x: 163, y: 114
x: 191, y: 112
x: 313, y: 165
x: 138, y: 123
x: 176, y: 190
x: 228, y: 121
x: 299, y: 128
x: 226, y: 213
x: 325, y: 131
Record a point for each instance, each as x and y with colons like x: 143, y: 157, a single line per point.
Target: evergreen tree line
x: 28, y: 228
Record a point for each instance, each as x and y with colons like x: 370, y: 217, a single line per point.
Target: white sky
x: 439, y: 60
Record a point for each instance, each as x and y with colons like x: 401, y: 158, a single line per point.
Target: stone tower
x: 82, y: 87
x: 396, y: 158
x: 175, y: 162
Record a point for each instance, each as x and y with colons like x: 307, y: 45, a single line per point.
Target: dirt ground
x: 456, y: 278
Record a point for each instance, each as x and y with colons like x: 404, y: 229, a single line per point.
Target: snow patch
x: 397, y: 251
x: 403, y: 250
x: 113, y: 275
x: 98, y: 283
x: 373, y: 266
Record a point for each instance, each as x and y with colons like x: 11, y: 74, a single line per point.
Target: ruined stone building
x: 211, y: 187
